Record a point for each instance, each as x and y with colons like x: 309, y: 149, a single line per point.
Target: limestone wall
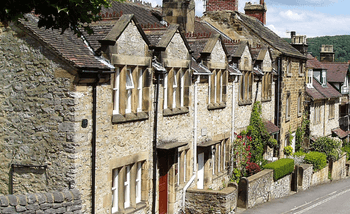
x: 320, y: 177
x: 37, y: 115
x: 305, y: 176
x: 53, y: 202
x: 339, y: 168
x: 210, y: 201
x: 281, y: 187
x: 259, y: 187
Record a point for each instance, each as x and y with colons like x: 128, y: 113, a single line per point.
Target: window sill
x: 245, y: 102
x: 128, y: 210
x: 301, y: 74
x: 175, y: 111
x: 289, y: 75
x: 287, y: 119
x: 130, y: 117
x: 299, y: 114
x: 215, y: 106
x: 266, y: 99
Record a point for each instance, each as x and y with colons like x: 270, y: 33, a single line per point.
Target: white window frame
x: 215, y: 85
x: 324, y: 80
x: 138, y: 182
x: 185, y: 156
x: 213, y: 158
x: 209, y: 89
x: 182, y: 88
x: 310, y: 78
x: 139, y: 88
x: 165, y: 91
x: 116, y: 91
x: 224, y: 164
x: 115, y: 191
x: 129, y: 90
x: 219, y: 158
x: 127, y: 187
x: 221, y: 86
x: 178, y: 167
x: 174, y: 88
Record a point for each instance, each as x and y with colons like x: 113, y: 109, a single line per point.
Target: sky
x: 312, y: 18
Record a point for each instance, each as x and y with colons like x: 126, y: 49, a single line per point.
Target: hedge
x: 281, y: 167
x: 317, y: 159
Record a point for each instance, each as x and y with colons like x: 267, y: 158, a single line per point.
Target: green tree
x: 55, y: 14
x: 259, y: 135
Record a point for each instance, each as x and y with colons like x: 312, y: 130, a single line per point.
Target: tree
x: 55, y: 14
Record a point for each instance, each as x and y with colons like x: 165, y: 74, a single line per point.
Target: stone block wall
x: 210, y: 201
x: 259, y: 187
x: 320, y: 177
x: 68, y: 201
x: 339, y: 168
x: 281, y: 187
x: 37, y: 115
x: 305, y: 175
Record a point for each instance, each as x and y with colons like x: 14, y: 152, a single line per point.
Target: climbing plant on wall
x: 300, y: 133
x: 258, y: 133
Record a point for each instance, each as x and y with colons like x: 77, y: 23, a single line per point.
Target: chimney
x: 299, y: 42
x: 256, y: 10
x: 327, y: 53
x: 180, y: 12
x: 219, y: 5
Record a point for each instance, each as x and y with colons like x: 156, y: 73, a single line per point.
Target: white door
x: 200, y: 174
x: 293, y: 142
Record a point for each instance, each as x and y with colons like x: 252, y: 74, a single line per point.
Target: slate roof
x: 197, y: 47
x: 270, y: 127
x: 336, y: 71
x: 268, y: 35
x: 340, y: 133
x: 199, y: 68
x: 67, y: 45
x: 146, y: 17
x: 312, y: 62
x: 320, y: 92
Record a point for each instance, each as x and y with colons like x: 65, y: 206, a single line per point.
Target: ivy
x: 301, y: 131
x: 258, y: 133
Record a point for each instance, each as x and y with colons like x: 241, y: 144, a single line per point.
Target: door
x: 200, y: 173
x: 163, y: 194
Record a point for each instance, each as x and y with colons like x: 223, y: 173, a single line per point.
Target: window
x: 182, y: 163
x: 219, y: 157
x: 317, y: 113
x: 331, y: 109
x: 127, y: 187
x: 213, y: 158
x: 217, y: 87
x: 176, y: 88
x: 301, y: 68
x: 324, y: 79
x: 131, y: 90
x: 246, y: 87
x: 288, y: 106
x: 299, y: 104
x: 267, y: 86
x: 309, y: 78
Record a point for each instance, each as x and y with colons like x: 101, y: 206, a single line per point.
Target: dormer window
x: 310, y: 78
x: 324, y: 79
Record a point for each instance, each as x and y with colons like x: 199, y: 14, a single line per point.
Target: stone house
x: 323, y: 101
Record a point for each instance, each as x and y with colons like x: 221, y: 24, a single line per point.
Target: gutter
x: 194, y: 143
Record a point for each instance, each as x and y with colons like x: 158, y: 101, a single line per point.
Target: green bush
x: 299, y: 153
x: 347, y: 150
x: 281, y: 167
x: 317, y: 159
x: 328, y: 146
x: 288, y: 150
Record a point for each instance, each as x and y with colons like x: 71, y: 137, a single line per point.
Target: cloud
x: 302, y: 2
x: 294, y: 16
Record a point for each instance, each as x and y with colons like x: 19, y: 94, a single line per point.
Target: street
x: 328, y: 198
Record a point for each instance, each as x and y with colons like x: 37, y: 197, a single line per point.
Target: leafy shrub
x: 272, y: 142
x: 317, y: 159
x: 328, y: 146
x: 299, y: 153
x: 347, y: 150
x: 288, y: 150
x: 252, y: 168
x: 281, y: 168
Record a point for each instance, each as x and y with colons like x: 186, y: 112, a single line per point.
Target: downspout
x: 93, y: 143
x: 233, y: 109
x: 154, y: 145
x: 194, y: 143
x: 278, y: 101
x: 324, y: 118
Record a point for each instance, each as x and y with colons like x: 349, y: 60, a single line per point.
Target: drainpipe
x: 279, y: 70
x: 233, y: 109
x: 194, y: 143
x: 93, y: 144
x: 155, y: 128
x: 324, y: 118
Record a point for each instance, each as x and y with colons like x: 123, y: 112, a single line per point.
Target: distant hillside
x: 341, y: 46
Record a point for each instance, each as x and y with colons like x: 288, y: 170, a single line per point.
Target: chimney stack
x: 327, y: 53
x: 256, y: 10
x: 219, y: 5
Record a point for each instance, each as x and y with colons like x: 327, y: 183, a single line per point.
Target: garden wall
x: 320, y: 177
x: 339, y: 168
x: 40, y: 203
x: 304, y: 177
x: 211, y: 201
x: 281, y: 187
